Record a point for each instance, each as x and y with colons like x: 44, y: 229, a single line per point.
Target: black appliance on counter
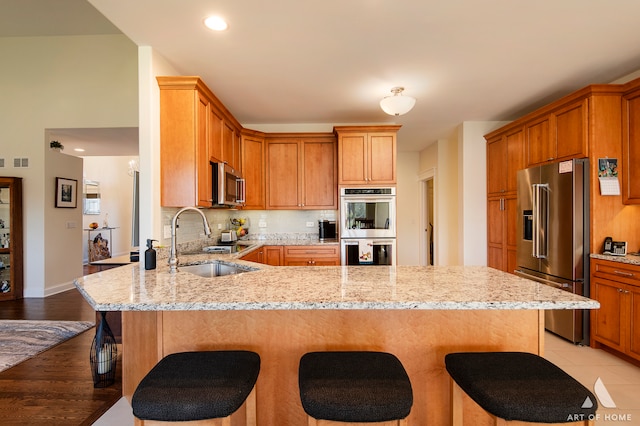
x: 327, y: 230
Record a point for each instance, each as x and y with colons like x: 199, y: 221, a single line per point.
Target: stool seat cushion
x: 520, y: 386
x: 354, y: 386
x: 196, y: 386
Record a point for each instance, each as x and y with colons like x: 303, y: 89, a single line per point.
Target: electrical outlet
x: 219, y: 226
x: 262, y: 224
x: 167, y: 231
x: 310, y: 224
x: 71, y: 225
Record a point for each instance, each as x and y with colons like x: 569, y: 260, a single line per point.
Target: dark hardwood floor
x: 55, y: 387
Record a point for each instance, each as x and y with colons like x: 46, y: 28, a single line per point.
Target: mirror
x: 91, y: 197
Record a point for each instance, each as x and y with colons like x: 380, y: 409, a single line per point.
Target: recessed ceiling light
x: 216, y: 23
x: 78, y: 149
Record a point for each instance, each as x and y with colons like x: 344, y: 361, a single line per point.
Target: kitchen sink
x: 210, y: 270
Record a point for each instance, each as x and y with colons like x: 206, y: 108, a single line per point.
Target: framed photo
x: 66, y: 193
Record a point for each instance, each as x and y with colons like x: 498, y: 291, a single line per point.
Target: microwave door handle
x: 241, y: 185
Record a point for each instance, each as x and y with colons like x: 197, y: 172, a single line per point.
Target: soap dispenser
x: 150, y: 256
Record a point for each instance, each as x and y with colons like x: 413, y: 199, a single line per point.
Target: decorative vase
x: 103, y: 355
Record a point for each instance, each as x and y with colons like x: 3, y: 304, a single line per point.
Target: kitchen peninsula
x: 417, y: 313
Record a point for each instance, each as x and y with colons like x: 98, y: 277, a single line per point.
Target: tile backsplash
x: 278, y: 224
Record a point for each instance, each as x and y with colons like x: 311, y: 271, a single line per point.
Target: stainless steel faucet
x: 173, y: 256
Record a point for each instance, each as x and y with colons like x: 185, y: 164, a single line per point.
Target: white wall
x: 58, y: 82
x: 472, y: 194
x: 116, y: 201
x: 408, y: 209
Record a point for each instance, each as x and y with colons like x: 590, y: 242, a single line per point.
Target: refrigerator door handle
x: 561, y: 286
x: 540, y: 201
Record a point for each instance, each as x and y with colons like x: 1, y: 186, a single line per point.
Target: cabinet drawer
x: 617, y: 271
x: 311, y: 251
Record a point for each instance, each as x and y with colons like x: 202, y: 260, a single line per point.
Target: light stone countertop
x: 324, y: 287
x: 629, y: 259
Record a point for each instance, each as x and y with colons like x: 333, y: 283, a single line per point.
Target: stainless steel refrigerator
x: 553, y: 237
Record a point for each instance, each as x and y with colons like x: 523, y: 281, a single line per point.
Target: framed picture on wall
x: 66, y: 193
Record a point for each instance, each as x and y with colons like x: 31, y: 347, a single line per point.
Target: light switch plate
x: 310, y: 224
x: 167, y: 231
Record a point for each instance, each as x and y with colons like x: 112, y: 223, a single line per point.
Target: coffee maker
x: 327, y: 230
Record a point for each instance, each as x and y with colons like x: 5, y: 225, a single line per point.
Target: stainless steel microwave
x: 228, y: 186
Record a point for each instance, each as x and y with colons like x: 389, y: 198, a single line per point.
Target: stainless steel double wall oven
x: 368, y: 226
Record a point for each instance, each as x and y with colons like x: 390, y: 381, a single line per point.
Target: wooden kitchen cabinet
x: 561, y: 134
x: 11, y: 244
x: 366, y: 154
x: 269, y: 255
x: 253, y: 169
x: 502, y: 219
x: 631, y: 147
x: 194, y: 128
x: 505, y: 156
x: 301, y: 172
x: 617, y: 287
x: 312, y: 255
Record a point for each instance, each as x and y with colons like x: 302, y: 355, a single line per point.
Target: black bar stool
x: 518, y: 386
x: 206, y: 385
x: 354, y: 387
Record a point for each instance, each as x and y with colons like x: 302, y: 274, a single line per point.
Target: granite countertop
x: 629, y: 259
x: 328, y: 287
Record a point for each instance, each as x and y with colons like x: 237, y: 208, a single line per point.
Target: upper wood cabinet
x: 631, y: 147
x: 301, y: 171
x: 11, y: 254
x: 505, y: 156
x: 559, y: 135
x: 195, y: 129
x: 366, y: 154
x: 253, y: 170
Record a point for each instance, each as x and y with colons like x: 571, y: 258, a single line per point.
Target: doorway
x: 428, y: 249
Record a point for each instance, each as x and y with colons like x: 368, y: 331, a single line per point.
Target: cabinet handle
x: 620, y: 290
x: 626, y: 292
x: 624, y: 274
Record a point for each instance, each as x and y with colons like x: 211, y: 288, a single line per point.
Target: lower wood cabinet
x: 312, y: 255
x: 617, y: 287
x: 269, y: 255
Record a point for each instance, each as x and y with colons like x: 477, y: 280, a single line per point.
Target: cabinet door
x: 253, y: 172
x: 319, y: 187
x: 571, y: 130
x: 215, y: 135
x: 515, y: 158
x: 511, y: 221
x: 352, y: 157
x: 631, y: 149
x: 283, y: 174
x: 254, y: 256
x: 382, y: 158
x: 634, y: 326
x: 203, y: 175
x: 495, y: 233
x: 229, y: 146
x: 273, y: 255
x: 538, y: 142
x: 607, y: 320
x: 496, y: 161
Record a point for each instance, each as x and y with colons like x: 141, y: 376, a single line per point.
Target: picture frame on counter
x: 66, y: 193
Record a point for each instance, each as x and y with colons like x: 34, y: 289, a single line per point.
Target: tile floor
x: 621, y: 379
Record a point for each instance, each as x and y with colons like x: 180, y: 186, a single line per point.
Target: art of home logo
x: 606, y: 401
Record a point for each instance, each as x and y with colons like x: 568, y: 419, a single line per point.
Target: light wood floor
x: 55, y: 387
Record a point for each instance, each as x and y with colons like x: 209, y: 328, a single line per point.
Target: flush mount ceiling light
x: 397, y: 104
x: 216, y: 23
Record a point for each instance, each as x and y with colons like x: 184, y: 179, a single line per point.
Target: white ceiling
x: 292, y: 61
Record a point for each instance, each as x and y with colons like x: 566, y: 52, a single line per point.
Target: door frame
x: 423, y: 177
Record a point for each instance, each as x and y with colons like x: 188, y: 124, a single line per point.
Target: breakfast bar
x: 417, y: 313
